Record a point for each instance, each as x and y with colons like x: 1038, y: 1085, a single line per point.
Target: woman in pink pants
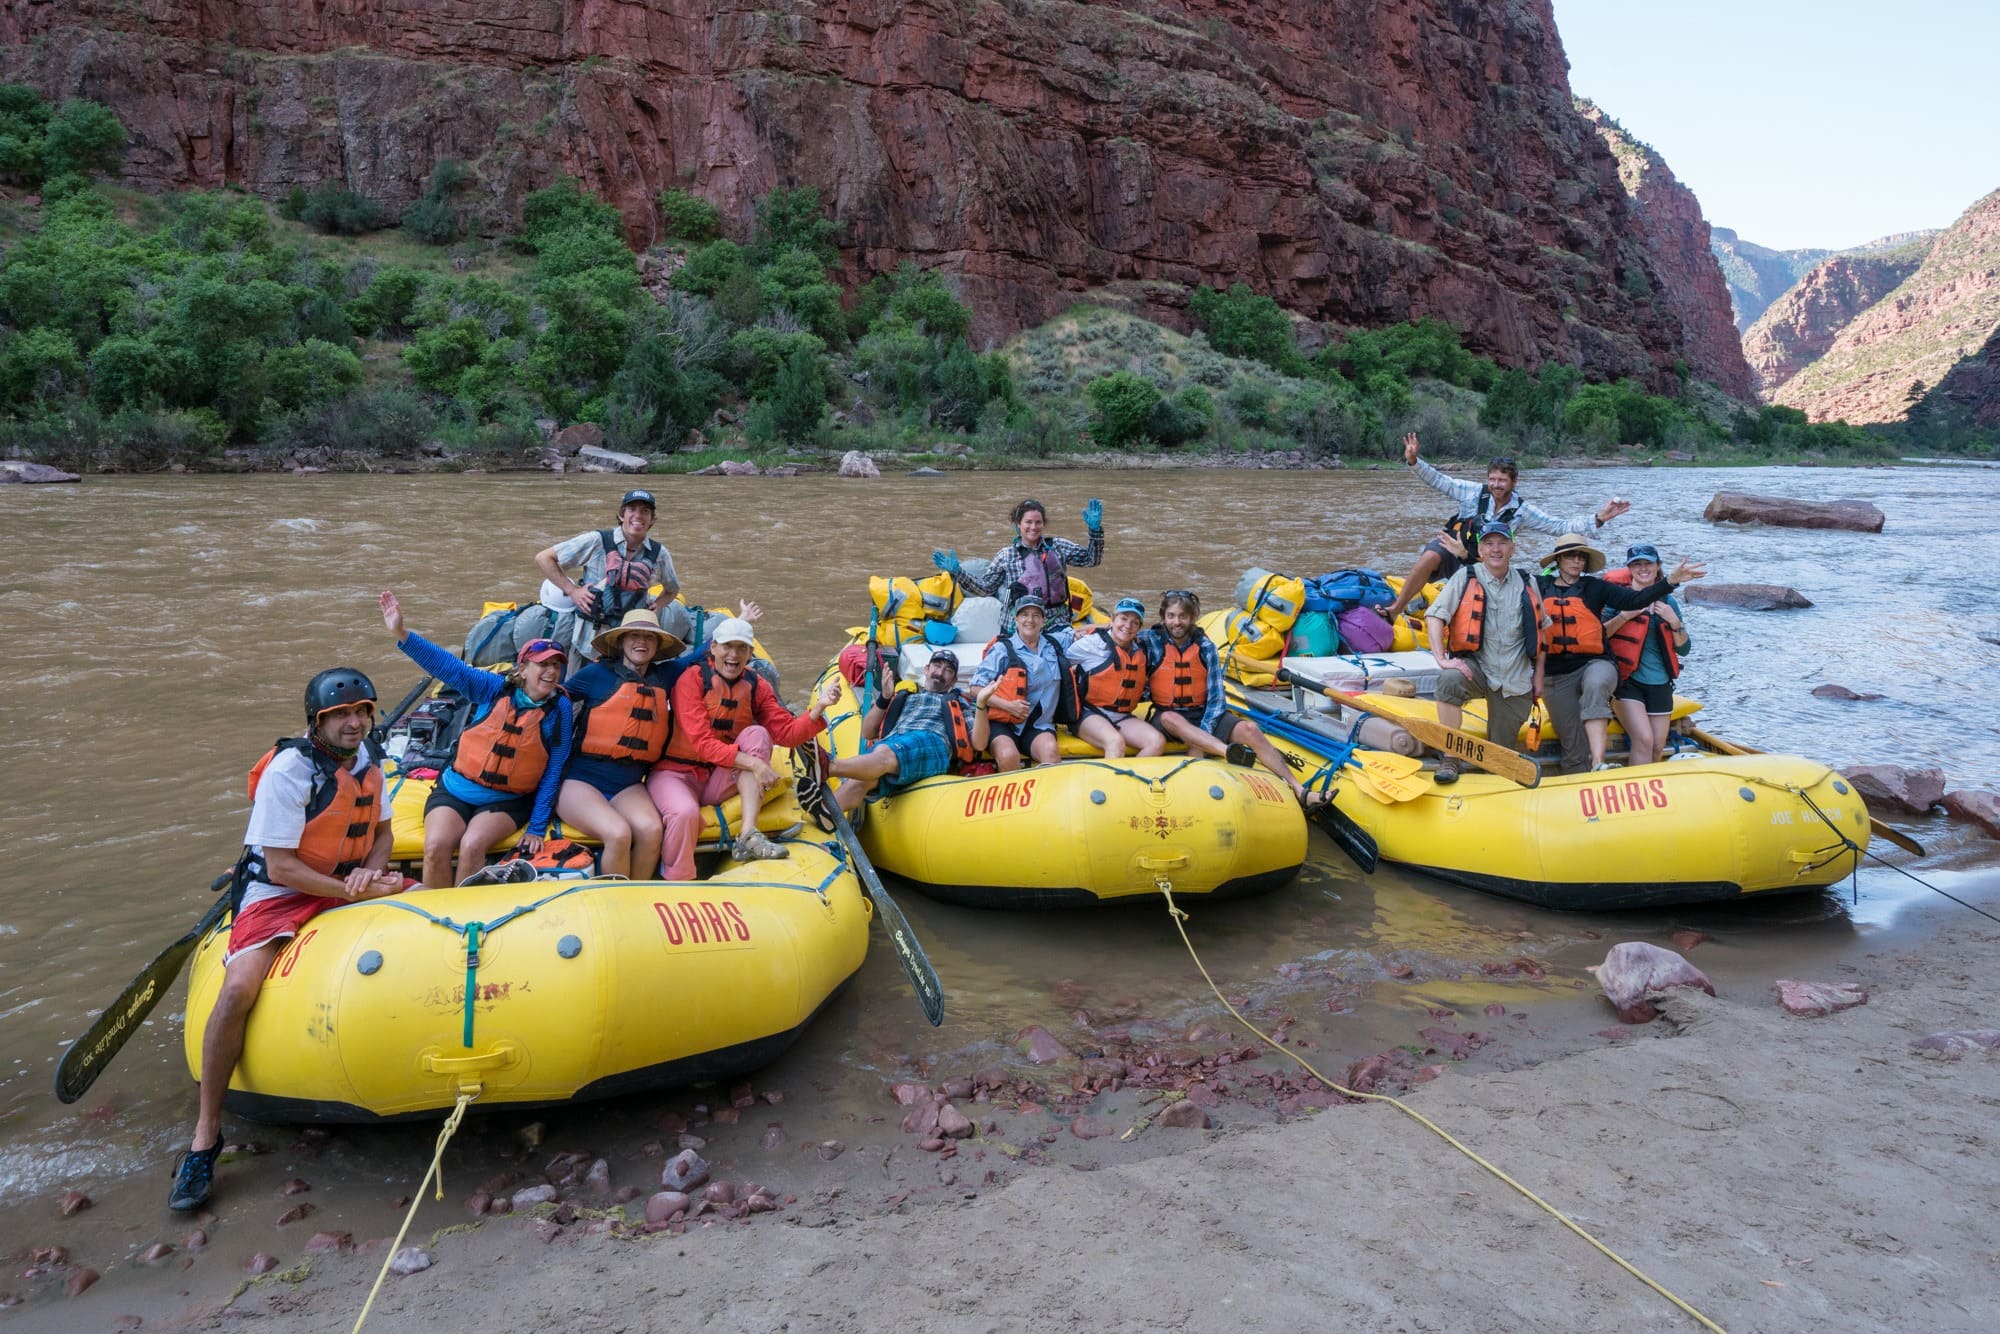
x: 726, y: 719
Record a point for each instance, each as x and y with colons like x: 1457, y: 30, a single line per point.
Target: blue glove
x: 1093, y: 515
x: 946, y: 561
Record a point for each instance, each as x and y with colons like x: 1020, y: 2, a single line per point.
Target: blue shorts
x: 609, y: 777
x: 920, y: 754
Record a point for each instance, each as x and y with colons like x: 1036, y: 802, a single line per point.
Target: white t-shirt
x: 278, y: 812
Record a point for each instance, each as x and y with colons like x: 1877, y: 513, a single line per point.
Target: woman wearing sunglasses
x: 506, y: 768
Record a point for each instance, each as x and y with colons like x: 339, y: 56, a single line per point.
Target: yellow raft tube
x: 1086, y: 831
x: 548, y: 992
x: 1690, y: 830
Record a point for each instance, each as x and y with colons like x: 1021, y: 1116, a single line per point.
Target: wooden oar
x: 1479, y: 752
x: 1879, y: 828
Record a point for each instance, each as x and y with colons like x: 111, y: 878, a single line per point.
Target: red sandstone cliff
x: 1798, y: 328
x: 1677, y: 236
x: 1911, y: 339
x: 1363, y: 161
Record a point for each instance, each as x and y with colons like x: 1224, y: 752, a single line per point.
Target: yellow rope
x: 1180, y: 919
x: 436, y: 1169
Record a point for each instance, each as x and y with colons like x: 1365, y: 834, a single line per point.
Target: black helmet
x: 335, y: 688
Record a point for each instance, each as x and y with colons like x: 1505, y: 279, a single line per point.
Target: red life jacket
x: 1468, y: 623
x: 1181, y: 679
x: 729, y: 705
x: 1628, y: 641
x: 1574, y: 629
x: 341, y: 814
x: 1119, y: 682
x: 504, y: 750
x: 629, y: 725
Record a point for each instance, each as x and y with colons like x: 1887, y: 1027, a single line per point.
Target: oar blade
x: 88, y: 1056
x: 1390, y: 783
x: 1348, y: 836
x: 923, y: 977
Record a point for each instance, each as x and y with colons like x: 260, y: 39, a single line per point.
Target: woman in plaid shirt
x: 1035, y: 561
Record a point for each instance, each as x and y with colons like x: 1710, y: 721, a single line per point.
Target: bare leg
x: 486, y: 829
x: 1006, y: 755
x: 644, y: 821
x: 1185, y: 729
x: 1045, y: 748
x: 1597, y: 729
x: 1451, y: 715
x: 1638, y: 725
x: 1420, y: 574
x: 865, y: 771
x: 584, y: 806
x: 1099, y: 732
x: 1249, y: 734
x: 1143, y: 737
x: 443, y: 828
x: 222, y: 1041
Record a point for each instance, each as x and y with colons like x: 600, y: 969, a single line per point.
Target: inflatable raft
x: 1086, y: 831
x: 1697, y: 828
x: 547, y: 992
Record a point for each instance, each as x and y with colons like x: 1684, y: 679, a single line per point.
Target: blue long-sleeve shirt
x: 484, y: 688
x: 1154, y: 641
x: 1043, y: 664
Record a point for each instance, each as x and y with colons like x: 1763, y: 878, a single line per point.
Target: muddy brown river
x: 159, y: 632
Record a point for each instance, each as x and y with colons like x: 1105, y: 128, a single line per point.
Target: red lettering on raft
x: 702, y: 923
x: 669, y: 922
x: 736, y: 916
x: 713, y: 916
x: 1622, y: 798
x: 692, y: 921
x: 1658, y: 787
x: 1013, y: 795
x: 291, y: 956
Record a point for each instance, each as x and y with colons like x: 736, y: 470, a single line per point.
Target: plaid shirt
x: 1010, y: 567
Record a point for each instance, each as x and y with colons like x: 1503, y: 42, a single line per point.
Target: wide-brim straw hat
x: 1593, y: 559
x: 639, y: 620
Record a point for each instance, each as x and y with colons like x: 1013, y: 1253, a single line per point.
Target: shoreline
x: 1769, y: 1170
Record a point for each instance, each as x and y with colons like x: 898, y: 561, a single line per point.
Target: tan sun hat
x: 639, y: 620
x: 1593, y: 559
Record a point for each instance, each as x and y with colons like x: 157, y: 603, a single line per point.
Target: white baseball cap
x: 732, y: 630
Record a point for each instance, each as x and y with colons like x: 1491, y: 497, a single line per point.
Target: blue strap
x: 722, y: 828
x: 472, y: 930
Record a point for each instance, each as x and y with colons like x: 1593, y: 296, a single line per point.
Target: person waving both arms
x: 1037, y: 563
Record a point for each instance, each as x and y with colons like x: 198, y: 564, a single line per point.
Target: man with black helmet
x: 319, y: 836
x: 593, y: 579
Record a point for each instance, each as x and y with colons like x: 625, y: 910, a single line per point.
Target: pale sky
x: 1803, y: 122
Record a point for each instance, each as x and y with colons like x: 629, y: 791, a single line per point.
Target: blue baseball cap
x: 1133, y: 605
x: 639, y: 496
x: 1642, y: 551
x: 1496, y: 528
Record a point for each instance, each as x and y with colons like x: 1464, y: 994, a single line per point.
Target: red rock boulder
x: 1896, y: 785
x: 1783, y: 512
x: 1634, y: 971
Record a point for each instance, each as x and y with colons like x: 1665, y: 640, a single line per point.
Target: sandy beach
x: 1777, y: 1173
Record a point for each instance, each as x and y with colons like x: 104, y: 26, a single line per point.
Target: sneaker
x: 1241, y: 756
x: 753, y: 846
x: 1447, y: 771
x: 810, y: 785
x: 193, y: 1175
x: 1600, y: 768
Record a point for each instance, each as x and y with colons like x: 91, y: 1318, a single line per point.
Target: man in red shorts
x: 319, y: 837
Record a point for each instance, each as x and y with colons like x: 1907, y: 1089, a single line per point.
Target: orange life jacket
x: 341, y: 814
x: 1012, y: 684
x: 728, y: 705
x: 631, y: 724
x: 1467, y: 630
x: 962, y: 750
x: 1181, y: 679
x: 1574, y: 629
x: 559, y: 854
x: 1628, y: 641
x: 1119, y: 682
x: 504, y: 750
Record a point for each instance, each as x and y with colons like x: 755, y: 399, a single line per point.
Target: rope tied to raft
x: 1861, y: 852
x: 436, y: 1169
x: 1180, y: 918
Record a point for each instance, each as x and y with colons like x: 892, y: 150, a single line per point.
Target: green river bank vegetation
x: 208, y: 330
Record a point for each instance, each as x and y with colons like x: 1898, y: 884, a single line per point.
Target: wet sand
x: 1777, y: 1173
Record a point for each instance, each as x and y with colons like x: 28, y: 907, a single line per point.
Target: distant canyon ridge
x: 1362, y: 161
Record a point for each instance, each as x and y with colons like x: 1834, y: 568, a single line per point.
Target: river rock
x: 263, y: 1262
x: 684, y: 1171
x: 928, y: 472
x: 155, y: 1253
x: 330, y: 1241
x: 294, y: 1214
x: 593, y: 458
x: 80, y: 1280
x: 1957, y: 1043
x: 952, y: 1123
x: 773, y: 1136
x: 19, y: 470
x: 1748, y: 597
x: 534, y: 1195
x: 856, y: 464
x: 1977, y: 805
x: 738, y: 468
x: 296, y: 1186
x: 410, y: 1260
x: 574, y: 439
x: 598, y: 1178
x: 1782, y: 512
x: 1091, y: 1127
x: 1816, y: 1000
x: 195, y: 1240
x: 1831, y: 691
x: 1634, y: 970
x: 1184, y: 1115
x: 1915, y: 790
x: 666, y: 1206
x: 1039, y: 1045
x: 75, y: 1202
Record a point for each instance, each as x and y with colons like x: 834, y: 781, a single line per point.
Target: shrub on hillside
x: 795, y: 409
x: 393, y: 420
x: 1241, y: 323
x: 1121, y: 407
x: 791, y: 220
x: 689, y: 218
x: 339, y: 211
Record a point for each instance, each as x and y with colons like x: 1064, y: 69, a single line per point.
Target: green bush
x: 310, y: 373
x: 757, y: 355
x: 128, y: 372
x: 1619, y: 414
x: 564, y: 209
x: 796, y: 280
x: 791, y: 220
x: 83, y: 138
x: 1185, y: 416
x: 339, y: 211
x: 39, y: 364
x: 24, y: 124
x: 688, y: 217
x: 1241, y: 323
x: 710, y: 267
x: 143, y: 441
x: 393, y: 420
x: 795, y: 409
x: 1121, y: 407
x: 387, y: 305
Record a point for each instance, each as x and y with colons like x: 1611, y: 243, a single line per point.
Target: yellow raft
x: 1694, y: 829
x: 1085, y: 831
x: 581, y: 989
